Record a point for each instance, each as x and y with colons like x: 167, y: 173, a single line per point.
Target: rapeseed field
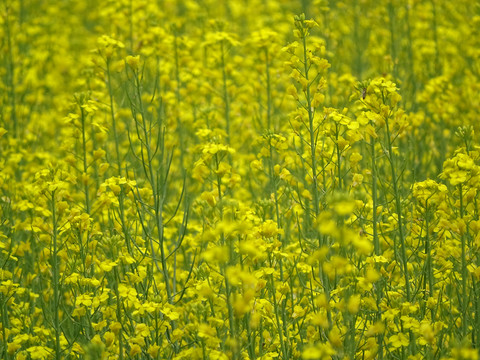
x: 249, y: 179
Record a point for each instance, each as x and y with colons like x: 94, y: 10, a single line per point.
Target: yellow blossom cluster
x: 188, y: 179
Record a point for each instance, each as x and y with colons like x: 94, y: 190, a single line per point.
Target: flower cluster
x: 226, y: 180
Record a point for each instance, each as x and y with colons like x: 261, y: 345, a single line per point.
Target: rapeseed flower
x: 230, y: 181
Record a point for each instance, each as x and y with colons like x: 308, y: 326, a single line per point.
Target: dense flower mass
x: 255, y: 179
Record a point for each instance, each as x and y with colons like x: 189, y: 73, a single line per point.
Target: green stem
x: 114, y: 122
x: 376, y: 243
x: 131, y: 25
x: 277, y: 318
x: 464, y: 269
x: 178, y: 98
x: 117, y: 153
x: 55, y: 278
x: 428, y: 252
x: 228, y: 289
x: 339, y: 158
x: 251, y: 338
x: 11, y: 78
x: 358, y: 64
x: 5, y: 324
x: 119, y: 314
x: 269, y: 90
x: 225, y: 91
x: 435, y: 38
x: 393, y: 49
x: 398, y: 209
x: 85, y: 165
x: 311, y: 132
x: 231, y: 320
x: 412, y: 82
x: 157, y: 195
x: 476, y: 330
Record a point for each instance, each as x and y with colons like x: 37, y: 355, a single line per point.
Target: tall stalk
x: 55, y: 277
x: 85, y: 164
x: 465, y: 298
x: 11, y: 77
x: 226, y: 100
x: 376, y: 241
x: 114, y: 120
x: 311, y: 130
x: 398, y: 210
x: 155, y: 180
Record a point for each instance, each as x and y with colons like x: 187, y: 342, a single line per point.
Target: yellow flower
x: 109, y: 338
x: 269, y: 229
x: 107, y: 265
x: 298, y: 311
x: 79, y: 311
x: 209, y: 197
x: 133, y: 62
x: 84, y: 299
x: 39, y: 352
x: 206, y: 331
x: 318, y: 352
x: 115, y: 327
x: 398, y: 340
x: 13, y: 347
x: 353, y: 305
x: 170, y: 313
x: 127, y: 292
x: 344, y: 208
x: 135, y: 350
x: 108, y: 45
x: 153, y: 350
